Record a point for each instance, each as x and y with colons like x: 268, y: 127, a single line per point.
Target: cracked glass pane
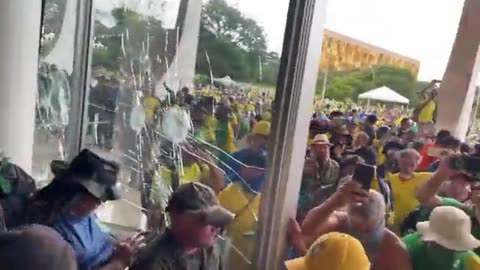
x: 55, y: 69
x: 181, y: 91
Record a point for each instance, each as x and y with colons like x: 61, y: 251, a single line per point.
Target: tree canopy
x: 348, y: 85
x: 235, y: 45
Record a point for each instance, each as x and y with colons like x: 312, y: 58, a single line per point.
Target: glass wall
x: 181, y: 91
x: 54, y: 98
x: 176, y: 91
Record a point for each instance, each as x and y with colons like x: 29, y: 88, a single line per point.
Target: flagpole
x: 325, y: 80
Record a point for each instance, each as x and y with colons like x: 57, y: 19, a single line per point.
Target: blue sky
x: 421, y: 29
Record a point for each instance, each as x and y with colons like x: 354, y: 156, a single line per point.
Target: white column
x: 182, y: 71
x: 466, y: 113
x: 19, y: 41
x: 457, y: 90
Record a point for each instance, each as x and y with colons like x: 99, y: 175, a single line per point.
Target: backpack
x: 16, y: 188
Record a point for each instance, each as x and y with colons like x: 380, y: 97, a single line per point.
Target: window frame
x: 296, y: 83
x: 295, y: 86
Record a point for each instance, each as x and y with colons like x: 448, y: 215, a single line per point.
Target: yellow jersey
x: 151, y: 105
x: 403, y: 193
x: 241, y: 231
x: 208, y: 131
x: 192, y: 173
x: 426, y: 114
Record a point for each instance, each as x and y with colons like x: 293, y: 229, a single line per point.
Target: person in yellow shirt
x: 250, y: 107
x: 208, y: 131
x: 224, y: 132
x: 242, y: 197
x: 197, y: 167
x: 427, y: 109
x: 152, y: 107
x: 405, y: 183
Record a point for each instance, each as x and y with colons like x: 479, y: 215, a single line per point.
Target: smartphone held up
x: 364, y: 174
x: 469, y: 164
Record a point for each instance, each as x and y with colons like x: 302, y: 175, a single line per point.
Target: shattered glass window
x: 55, y: 69
x: 182, y: 91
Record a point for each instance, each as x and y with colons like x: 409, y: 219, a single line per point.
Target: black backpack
x: 16, y: 188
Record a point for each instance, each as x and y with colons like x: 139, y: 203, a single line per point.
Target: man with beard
x: 191, y: 241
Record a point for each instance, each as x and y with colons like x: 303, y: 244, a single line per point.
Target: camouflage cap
x: 199, y: 199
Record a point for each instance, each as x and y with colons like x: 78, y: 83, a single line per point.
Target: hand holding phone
x: 364, y: 174
x: 352, y: 192
x: 468, y: 164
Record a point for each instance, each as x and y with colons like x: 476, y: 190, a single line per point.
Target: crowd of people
x: 418, y: 210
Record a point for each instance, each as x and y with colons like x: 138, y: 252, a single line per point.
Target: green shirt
x: 422, y: 260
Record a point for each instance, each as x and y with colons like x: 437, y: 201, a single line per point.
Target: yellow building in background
x: 341, y: 53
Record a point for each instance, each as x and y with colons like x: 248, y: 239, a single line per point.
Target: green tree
x: 227, y: 23
x: 137, y: 41
x: 348, y: 85
x: 53, y: 14
x: 235, y: 45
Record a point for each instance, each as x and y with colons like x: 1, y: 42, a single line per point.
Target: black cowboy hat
x: 97, y: 175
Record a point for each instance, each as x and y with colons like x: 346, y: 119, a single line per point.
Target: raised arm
x: 426, y: 193
x: 319, y: 219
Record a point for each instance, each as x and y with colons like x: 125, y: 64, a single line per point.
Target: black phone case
x: 364, y: 175
x: 466, y: 163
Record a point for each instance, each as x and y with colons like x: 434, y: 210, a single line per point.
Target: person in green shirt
x: 444, y: 242
x: 427, y: 195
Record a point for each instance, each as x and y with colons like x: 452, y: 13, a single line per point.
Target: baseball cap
x: 199, y: 199
x: 35, y: 247
x: 332, y: 251
x: 97, y: 175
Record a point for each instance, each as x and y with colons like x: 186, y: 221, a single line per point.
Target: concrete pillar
x: 182, y: 70
x: 19, y: 41
x: 457, y: 90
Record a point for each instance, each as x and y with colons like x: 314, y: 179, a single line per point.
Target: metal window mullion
x: 295, y: 92
x: 80, y: 77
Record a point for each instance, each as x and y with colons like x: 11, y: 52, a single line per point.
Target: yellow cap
x: 332, y: 251
x: 261, y: 128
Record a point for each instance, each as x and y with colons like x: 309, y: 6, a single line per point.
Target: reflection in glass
x: 54, y: 80
x: 181, y: 91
